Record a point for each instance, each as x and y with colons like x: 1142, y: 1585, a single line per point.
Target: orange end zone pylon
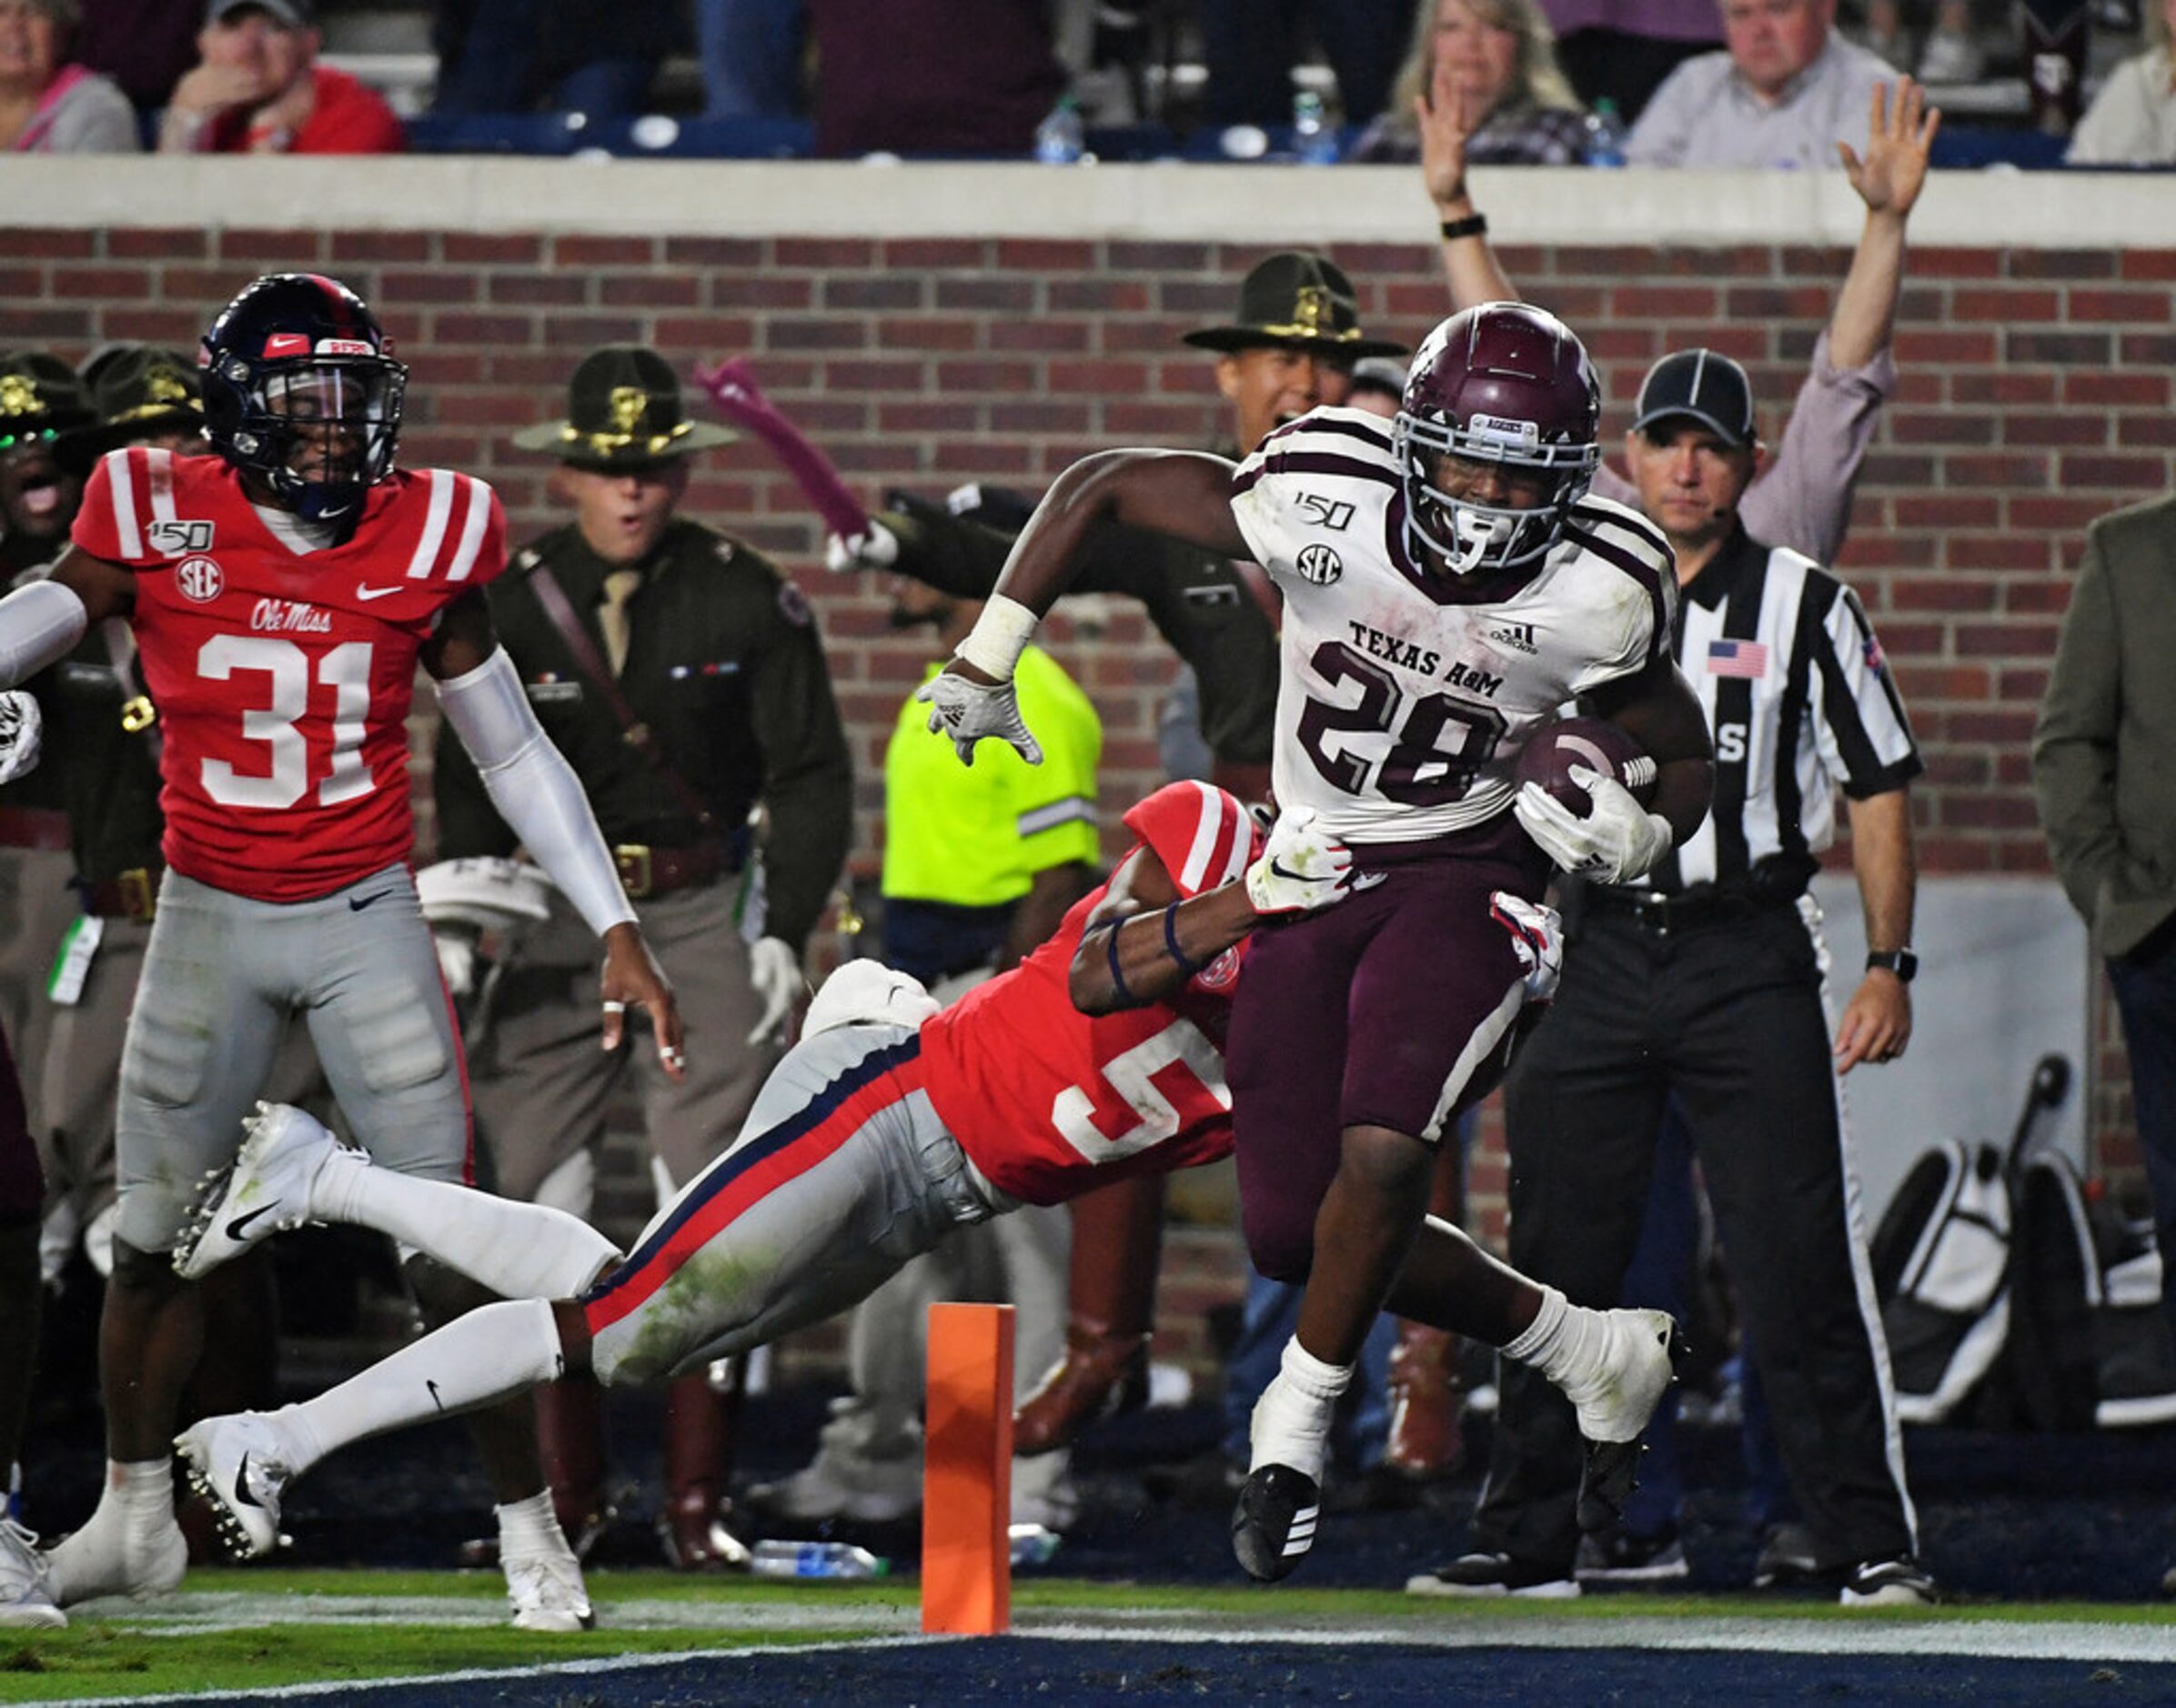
x: 967, y: 1472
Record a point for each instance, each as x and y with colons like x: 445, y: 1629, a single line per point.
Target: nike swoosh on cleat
x: 241, y: 1485
x: 239, y: 1226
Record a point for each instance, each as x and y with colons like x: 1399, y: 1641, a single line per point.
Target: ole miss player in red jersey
x: 1099, y: 1055
x: 282, y: 594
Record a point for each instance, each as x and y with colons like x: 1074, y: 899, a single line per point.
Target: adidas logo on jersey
x: 1518, y: 636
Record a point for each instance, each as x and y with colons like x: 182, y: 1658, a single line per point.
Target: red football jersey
x: 283, y: 678
x: 1048, y: 1102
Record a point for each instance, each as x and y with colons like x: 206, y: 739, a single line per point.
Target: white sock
x: 474, y: 1359
x: 1567, y: 1344
x: 530, y: 1527
x: 517, y: 1251
x: 130, y: 1543
x: 1290, y: 1424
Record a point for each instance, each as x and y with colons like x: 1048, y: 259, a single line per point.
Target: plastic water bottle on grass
x: 800, y: 1560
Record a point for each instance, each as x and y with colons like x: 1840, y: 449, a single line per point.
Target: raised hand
x: 1447, y: 125
x: 1900, y: 132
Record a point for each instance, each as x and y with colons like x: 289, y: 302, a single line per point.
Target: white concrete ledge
x: 1164, y: 202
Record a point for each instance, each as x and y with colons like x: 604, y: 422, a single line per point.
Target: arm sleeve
x: 2074, y: 741
x: 808, y: 775
x: 534, y: 789
x: 1804, y: 500
x: 39, y: 625
x: 469, y: 825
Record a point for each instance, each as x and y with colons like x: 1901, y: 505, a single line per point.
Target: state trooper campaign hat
x: 41, y: 401
x: 1704, y: 385
x: 137, y: 390
x: 623, y: 410
x: 1300, y: 299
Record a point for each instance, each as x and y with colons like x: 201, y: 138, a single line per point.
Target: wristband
x: 1472, y: 226
x: 1001, y: 634
x: 1191, y: 968
x: 1118, y: 979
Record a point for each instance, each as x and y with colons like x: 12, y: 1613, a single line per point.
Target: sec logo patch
x: 200, y: 579
x: 1319, y: 565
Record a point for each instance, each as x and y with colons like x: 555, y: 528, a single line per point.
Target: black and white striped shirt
x: 1799, y: 699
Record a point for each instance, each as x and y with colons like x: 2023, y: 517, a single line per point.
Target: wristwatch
x: 1901, y: 962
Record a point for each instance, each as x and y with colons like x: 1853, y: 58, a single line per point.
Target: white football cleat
x: 25, y: 1588
x: 266, y: 1191
x: 546, y: 1593
x: 1638, y: 1368
x: 239, y: 1464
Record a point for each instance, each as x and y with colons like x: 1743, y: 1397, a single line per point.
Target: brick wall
x: 2036, y: 396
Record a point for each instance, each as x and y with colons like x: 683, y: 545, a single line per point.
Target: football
x: 1593, y: 743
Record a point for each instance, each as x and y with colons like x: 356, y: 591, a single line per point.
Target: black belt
x: 1660, y: 914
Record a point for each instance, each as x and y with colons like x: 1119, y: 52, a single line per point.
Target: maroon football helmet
x: 1502, y: 383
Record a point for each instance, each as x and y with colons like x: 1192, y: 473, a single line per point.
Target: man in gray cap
x: 682, y: 676
x: 258, y: 88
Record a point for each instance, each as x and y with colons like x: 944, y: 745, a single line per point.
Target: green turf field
x: 229, y: 1631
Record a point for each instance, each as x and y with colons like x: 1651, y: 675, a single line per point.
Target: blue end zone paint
x: 1058, y: 1675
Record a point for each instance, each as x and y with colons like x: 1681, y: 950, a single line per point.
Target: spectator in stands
x: 2133, y: 120
x: 1784, y: 92
x: 256, y: 88
x: 1620, y: 51
x: 931, y: 76
x: 143, y: 46
x: 751, y: 55
x: 1497, y: 58
x: 1247, y: 45
x: 48, y: 103
x: 596, y: 57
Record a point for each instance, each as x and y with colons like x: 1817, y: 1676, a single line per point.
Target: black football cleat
x: 1273, y: 1527
x: 1611, y: 1470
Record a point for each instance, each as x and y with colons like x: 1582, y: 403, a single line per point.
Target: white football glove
x: 876, y: 549
x: 1536, y: 937
x: 1302, y: 868
x: 1618, y: 840
x: 22, y: 731
x: 775, y: 970
x: 967, y: 711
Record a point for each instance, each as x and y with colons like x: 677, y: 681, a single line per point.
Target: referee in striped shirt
x: 1704, y: 983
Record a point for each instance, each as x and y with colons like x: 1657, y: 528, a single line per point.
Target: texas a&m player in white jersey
x: 1098, y: 1057
x: 282, y: 594
x: 1448, y: 587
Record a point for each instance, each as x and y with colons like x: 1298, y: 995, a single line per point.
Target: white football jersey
x: 1405, y: 697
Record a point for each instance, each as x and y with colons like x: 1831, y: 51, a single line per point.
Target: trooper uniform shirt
x: 725, y: 673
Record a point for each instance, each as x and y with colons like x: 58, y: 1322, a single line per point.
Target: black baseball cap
x: 1704, y: 385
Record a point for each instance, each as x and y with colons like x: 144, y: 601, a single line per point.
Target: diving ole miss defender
x: 282, y: 594
x: 1447, y: 585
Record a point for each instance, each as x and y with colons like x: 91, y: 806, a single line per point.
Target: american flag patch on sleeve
x: 1737, y: 658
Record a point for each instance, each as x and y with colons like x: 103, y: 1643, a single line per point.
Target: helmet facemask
x: 1463, y: 534
x: 319, y: 431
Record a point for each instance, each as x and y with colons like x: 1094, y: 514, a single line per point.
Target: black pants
x: 1726, y: 1016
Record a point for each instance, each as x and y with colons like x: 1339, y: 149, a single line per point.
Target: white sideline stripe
x: 1878, y: 1635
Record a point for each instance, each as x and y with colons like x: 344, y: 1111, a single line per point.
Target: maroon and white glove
x: 1302, y: 868
x: 1536, y: 937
